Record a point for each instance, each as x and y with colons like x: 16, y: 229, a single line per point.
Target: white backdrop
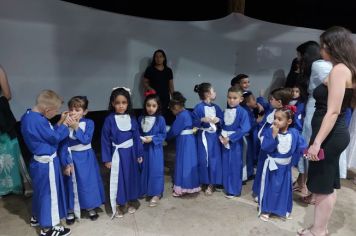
x: 76, y: 50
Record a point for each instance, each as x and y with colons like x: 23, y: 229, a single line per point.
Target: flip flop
x: 304, y: 231
x: 264, y: 217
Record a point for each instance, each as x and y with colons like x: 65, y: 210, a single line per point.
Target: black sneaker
x: 70, y: 219
x: 93, y: 215
x: 34, y: 222
x: 56, y: 231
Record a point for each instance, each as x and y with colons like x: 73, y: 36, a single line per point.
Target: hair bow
x: 149, y: 92
x: 127, y: 89
x: 291, y: 108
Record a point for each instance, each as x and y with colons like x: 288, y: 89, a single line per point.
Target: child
x: 186, y: 179
x: 298, y: 100
x: 241, y: 81
x: 255, y: 115
x: 42, y: 139
x: 84, y: 186
x: 153, y: 131
x: 283, y: 146
x: 279, y: 97
x: 207, y: 116
x: 122, y: 151
x: 235, y: 125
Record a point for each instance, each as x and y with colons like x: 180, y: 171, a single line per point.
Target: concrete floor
x: 193, y: 215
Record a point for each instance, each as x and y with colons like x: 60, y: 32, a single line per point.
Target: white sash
x: 271, y: 163
x: 52, y: 185
x: 76, y: 148
x: 211, y: 129
x: 114, y: 174
x: 186, y: 132
x: 226, y: 134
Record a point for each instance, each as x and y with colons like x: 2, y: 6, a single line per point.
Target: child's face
x: 275, y: 103
x: 151, y: 107
x: 77, y: 112
x: 233, y: 99
x: 120, y: 104
x: 295, y: 93
x: 176, y: 109
x: 159, y: 58
x: 50, y: 112
x: 212, y: 94
x: 251, y: 102
x: 244, y: 84
x: 281, y: 121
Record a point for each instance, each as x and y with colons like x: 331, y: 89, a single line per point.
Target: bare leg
x: 324, y: 206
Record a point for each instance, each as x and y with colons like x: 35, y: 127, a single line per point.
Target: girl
x: 84, y: 186
x: 235, y: 125
x: 122, y: 152
x: 283, y: 146
x: 279, y: 97
x: 186, y: 179
x: 207, y: 116
x: 153, y: 131
x: 298, y: 100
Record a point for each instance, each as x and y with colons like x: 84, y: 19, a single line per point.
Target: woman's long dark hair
x: 309, y: 54
x: 339, y: 45
x: 153, y: 62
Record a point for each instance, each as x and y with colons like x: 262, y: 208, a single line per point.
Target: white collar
x: 123, y: 122
x: 229, y: 116
x: 147, y: 123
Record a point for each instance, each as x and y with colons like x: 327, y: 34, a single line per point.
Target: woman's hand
x: 313, y: 152
x: 108, y: 165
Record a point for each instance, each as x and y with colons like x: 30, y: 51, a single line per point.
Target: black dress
x: 324, y: 176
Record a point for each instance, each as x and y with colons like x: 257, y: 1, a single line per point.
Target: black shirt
x: 159, y: 81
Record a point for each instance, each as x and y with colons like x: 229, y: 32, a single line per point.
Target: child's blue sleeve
x: 86, y: 136
x: 301, y: 144
x: 269, y: 143
x: 53, y: 136
x: 244, y: 126
x: 264, y: 103
x: 176, y: 128
x: 220, y: 115
x: 63, y: 153
x: 161, y: 135
x: 196, y: 116
x: 106, y: 145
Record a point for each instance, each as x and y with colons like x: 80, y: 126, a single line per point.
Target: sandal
x: 264, y: 217
x: 304, y: 231
x: 308, y: 199
x: 174, y: 194
x: 209, y: 190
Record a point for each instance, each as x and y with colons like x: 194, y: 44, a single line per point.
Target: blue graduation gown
x: 129, y: 176
x: 152, y: 176
x: 232, y: 157
x: 43, y: 139
x: 87, y: 174
x: 299, y: 116
x: 209, y: 162
x: 186, y: 163
x: 263, y: 126
x: 277, y: 197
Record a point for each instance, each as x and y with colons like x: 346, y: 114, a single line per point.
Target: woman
x: 329, y: 130
x: 159, y: 78
x: 10, y: 180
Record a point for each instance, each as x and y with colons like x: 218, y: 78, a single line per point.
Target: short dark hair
x: 202, y: 89
x: 237, y: 79
x: 283, y: 94
x: 79, y: 101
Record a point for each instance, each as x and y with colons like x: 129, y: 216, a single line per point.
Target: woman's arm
x: 337, y: 80
x: 4, y: 85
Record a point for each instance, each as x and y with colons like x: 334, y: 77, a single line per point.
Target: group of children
x: 209, y: 150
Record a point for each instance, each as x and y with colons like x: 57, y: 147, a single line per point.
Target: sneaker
x: 56, y: 231
x: 228, y: 196
x: 131, y: 210
x: 34, y: 222
x: 70, y: 219
x: 93, y: 215
x: 119, y: 212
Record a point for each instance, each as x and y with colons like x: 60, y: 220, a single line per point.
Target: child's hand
x: 74, y: 124
x: 205, y: 120
x: 108, y: 165
x: 275, y: 130
x: 215, y: 120
x: 140, y: 160
x: 67, y: 170
x: 165, y: 143
x: 260, y: 107
x: 64, y: 115
x: 195, y: 130
x: 147, y: 139
x: 259, y: 119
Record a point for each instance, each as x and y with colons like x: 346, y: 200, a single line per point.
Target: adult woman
x: 314, y: 71
x: 10, y: 180
x: 159, y: 77
x: 329, y: 130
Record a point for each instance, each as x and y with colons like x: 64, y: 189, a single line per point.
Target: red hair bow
x: 149, y: 92
x: 291, y: 108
